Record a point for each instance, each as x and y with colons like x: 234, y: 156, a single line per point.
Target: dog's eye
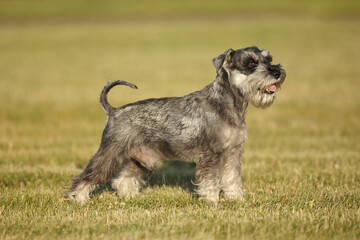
x: 251, y: 64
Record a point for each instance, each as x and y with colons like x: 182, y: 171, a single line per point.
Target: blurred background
x: 302, y: 156
x: 55, y: 57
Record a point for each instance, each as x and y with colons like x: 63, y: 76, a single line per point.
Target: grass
x: 22, y: 10
x: 301, y: 161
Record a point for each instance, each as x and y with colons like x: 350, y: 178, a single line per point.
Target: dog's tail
x: 103, y: 96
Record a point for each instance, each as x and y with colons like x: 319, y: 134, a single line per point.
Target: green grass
x: 301, y: 163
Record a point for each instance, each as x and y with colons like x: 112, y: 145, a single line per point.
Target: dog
x: 206, y: 127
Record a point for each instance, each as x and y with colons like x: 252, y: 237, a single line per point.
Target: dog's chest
x: 233, y: 137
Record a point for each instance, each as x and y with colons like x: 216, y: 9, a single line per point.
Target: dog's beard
x: 262, y: 100
x: 258, y: 88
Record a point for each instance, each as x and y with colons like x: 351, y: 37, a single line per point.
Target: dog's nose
x: 276, y: 73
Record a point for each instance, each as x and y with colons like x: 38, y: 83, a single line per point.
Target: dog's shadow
x: 173, y: 174
x: 170, y: 173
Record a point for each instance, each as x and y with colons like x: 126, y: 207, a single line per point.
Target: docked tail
x: 103, y: 96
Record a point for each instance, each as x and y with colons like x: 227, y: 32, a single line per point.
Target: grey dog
x: 206, y: 127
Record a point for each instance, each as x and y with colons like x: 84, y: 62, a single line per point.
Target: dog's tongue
x: 272, y: 88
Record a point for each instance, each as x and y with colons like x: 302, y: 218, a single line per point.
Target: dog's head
x: 250, y: 71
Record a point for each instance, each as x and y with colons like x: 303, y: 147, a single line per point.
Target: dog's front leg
x: 231, y: 178
x: 207, y: 176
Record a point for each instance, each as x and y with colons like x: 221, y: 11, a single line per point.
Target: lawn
x: 301, y: 164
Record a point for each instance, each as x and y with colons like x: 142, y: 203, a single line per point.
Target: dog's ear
x: 219, y: 60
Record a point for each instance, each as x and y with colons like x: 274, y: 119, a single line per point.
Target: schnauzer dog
x: 206, y: 127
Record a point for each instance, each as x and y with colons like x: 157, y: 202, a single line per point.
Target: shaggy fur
x: 206, y: 127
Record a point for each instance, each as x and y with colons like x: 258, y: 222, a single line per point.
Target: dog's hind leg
x: 130, y: 179
x: 100, y: 169
x: 142, y: 162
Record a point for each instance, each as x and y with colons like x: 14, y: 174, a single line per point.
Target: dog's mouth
x: 271, y: 89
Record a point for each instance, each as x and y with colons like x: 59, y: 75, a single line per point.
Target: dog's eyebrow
x: 251, y: 55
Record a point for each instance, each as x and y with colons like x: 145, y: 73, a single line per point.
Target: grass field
x: 301, y: 164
